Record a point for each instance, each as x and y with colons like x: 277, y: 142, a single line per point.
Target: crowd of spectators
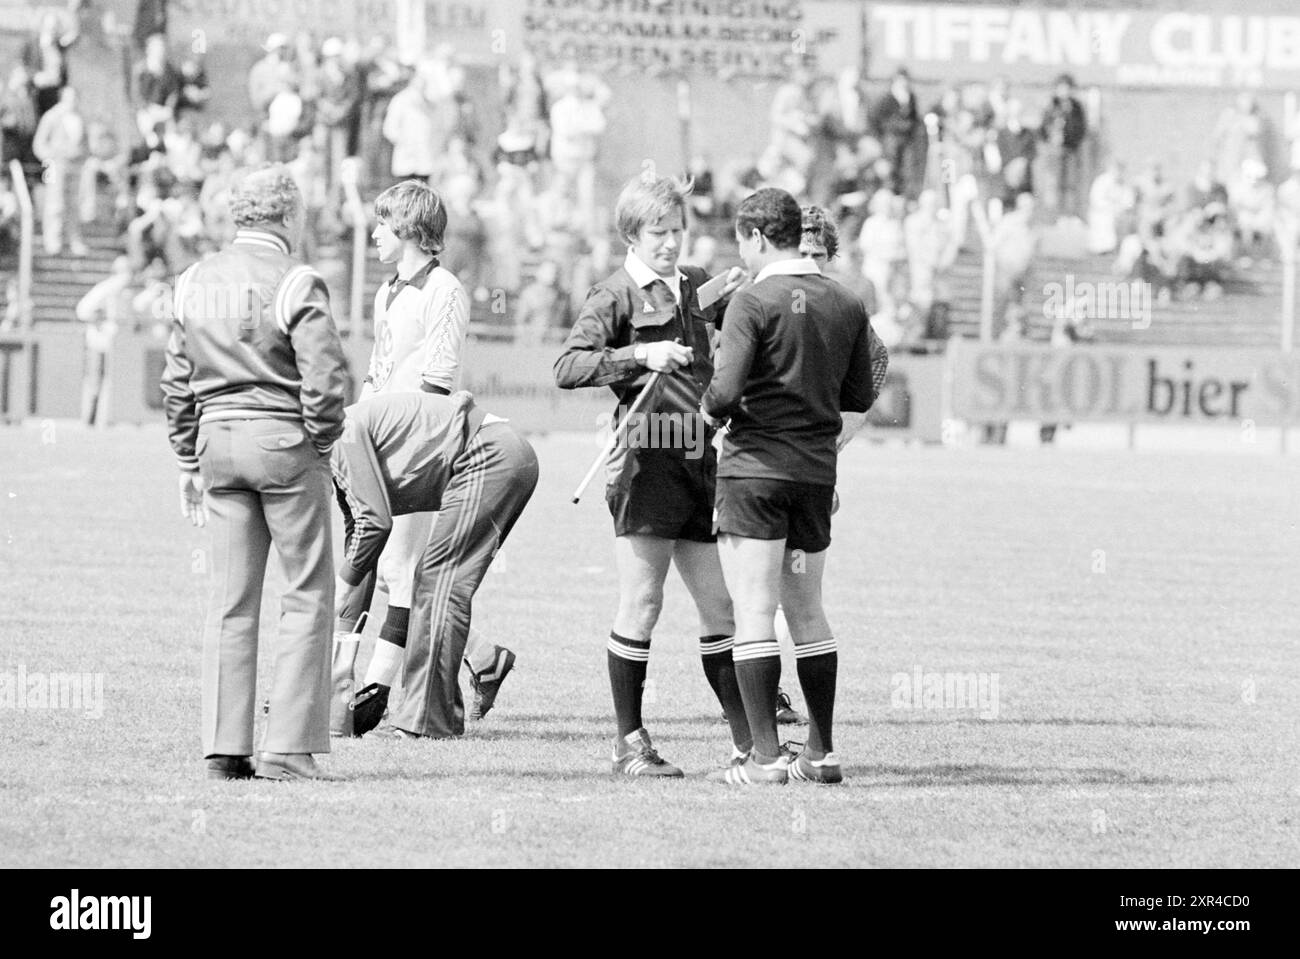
x: 525, y: 230
x: 1188, y: 241
x: 910, y: 181
x: 902, y: 177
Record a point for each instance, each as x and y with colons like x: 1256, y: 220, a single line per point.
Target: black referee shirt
x: 793, y: 355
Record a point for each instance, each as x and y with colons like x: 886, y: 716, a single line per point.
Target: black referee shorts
x: 661, y: 493
x: 799, y: 513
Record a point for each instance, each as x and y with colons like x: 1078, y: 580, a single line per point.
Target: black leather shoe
x: 288, y: 766
x: 230, y: 767
x: 368, y: 708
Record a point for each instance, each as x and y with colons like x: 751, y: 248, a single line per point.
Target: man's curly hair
x: 819, y: 230
x: 266, y: 195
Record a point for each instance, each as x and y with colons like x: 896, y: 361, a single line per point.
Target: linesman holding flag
x: 647, y: 319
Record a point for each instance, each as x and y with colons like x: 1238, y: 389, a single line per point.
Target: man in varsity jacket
x: 417, y: 452
x: 254, y: 392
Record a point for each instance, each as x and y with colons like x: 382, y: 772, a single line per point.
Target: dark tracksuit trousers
x: 494, y: 478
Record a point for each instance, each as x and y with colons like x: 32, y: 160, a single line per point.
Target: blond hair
x: 647, y: 199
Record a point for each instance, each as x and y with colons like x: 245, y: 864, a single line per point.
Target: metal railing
x: 350, y: 174
x: 22, y: 385
x: 27, y: 246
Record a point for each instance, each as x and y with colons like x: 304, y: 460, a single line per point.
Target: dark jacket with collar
x: 616, y: 317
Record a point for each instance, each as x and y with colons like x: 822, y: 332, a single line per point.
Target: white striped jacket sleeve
x: 446, y: 324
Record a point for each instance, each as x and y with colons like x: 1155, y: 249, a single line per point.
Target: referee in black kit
x: 794, y: 355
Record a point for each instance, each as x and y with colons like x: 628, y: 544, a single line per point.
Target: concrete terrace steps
x: 1246, y: 315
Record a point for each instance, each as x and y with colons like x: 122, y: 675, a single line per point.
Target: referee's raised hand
x: 665, y: 357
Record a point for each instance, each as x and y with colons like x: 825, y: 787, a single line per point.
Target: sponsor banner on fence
x: 478, y: 30
x: 1251, y: 45
x: 911, y: 401
x: 706, y: 38
x: 750, y: 38
x: 997, y: 382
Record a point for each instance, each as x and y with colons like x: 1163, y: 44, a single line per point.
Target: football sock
x: 628, y: 661
x: 715, y: 655
x: 396, y: 623
x: 390, y: 648
x: 817, y: 664
x: 758, y: 674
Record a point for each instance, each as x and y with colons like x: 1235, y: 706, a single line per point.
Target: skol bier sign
x: 1123, y: 384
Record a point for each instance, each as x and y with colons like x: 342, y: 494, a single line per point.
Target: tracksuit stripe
x: 469, y: 511
x: 283, y: 318
x: 446, y: 577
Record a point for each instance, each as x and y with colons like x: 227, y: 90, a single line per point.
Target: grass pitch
x: 1138, y: 610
